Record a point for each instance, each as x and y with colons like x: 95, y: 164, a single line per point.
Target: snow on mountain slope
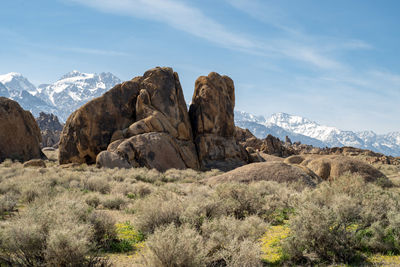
x: 17, y: 83
x: 259, y: 126
x: 303, y: 126
x: 27, y: 101
x: 74, y: 89
x: 310, y: 132
x: 4, y: 91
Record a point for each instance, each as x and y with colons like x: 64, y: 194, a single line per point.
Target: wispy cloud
x: 176, y: 14
x: 23, y: 41
x: 90, y: 51
x: 192, y: 20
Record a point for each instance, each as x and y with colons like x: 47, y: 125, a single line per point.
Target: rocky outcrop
x: 89, y: 129
x: 19, y: 133
x: 50, y: 129
x: 330, y: 167
x: 212, y: 118
x: 268, y: 171
x: 143, y: 122
x: 273, y: 146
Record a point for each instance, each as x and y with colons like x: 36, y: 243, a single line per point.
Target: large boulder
x: 330, y: 167
x: 268, y: 171
x: 89, y: 129
x: 143, y: 122
x: 154, y: 150
x: 212, y: 118
x: 19, y: 133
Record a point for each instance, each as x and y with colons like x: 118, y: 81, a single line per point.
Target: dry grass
x: 82, y: 214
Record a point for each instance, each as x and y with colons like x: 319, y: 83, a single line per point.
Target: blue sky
x: 335, y: 62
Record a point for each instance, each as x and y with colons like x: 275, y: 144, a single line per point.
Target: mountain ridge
x: 309, y: 132
x: 76, y: 88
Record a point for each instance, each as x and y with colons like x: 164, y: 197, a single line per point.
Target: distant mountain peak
x: 14, y: 81
x: 75, y: 73
x: 5, y: 78
x: 76, y: 88
x: 309, y: 132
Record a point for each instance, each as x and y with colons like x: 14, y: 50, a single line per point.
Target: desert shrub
x: 157, y: 209
x: 113, y: 202
x: 278, y: 201
x: 103, y: 227
x: 141, y: 189
x: 68, y: 244
x: 97, y: 184
x: 122, y: 188
x: 8, y: 202
x: 29, y: 194
x: 188, y: 175
x: 200, y: 206
x: 146, y: 175
x: 324, y: 230
x: 339, y: 219
x: 226, y: 239
x: 9, y: 186
x: 171, y: 245
x: 237, y: 253
x: 239, y: 200
x: 52, y: 232
x: 7, y: 163
x: 133, y: 191
x: 92, y: 200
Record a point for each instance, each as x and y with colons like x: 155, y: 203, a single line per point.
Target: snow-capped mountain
x: 60, y: 98
x: 75, y: 89
x: 15, y: 82
x: 15, y: 86
x: 260, y: 127
x: 310, y: 132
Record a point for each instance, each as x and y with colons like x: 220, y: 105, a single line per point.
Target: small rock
x: 38, y: 163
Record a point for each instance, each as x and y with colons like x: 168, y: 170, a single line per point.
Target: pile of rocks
x: 144, y: 122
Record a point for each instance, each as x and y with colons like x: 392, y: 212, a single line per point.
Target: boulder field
x: 20, y: 136
x: 145, y: 123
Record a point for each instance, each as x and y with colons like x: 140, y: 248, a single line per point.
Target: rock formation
x: 268, y: 171
x: 19, y: 133
x: 50, y: 128
x: 329, y: 167
x: 211, y: 115
x: 89, y: 129
x: 273, y: 146
x: 143, y: 122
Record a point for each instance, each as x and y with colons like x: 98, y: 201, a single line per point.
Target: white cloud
x: 176, y: 14
x: 192, y: 20
x: 91, y: 51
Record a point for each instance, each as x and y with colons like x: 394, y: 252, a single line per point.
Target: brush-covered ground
x: 84, y: 216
